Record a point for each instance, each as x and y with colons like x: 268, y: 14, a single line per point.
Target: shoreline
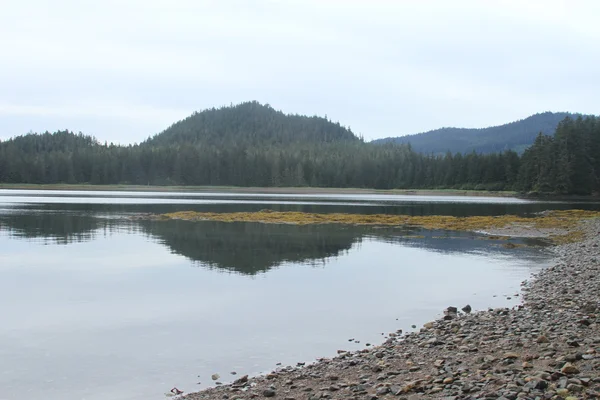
x: 254, y: 190
x: 546, y: 348
x: 302, y: 190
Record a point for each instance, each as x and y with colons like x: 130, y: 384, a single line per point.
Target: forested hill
x: 250, y: 123
x: 254, y: 145
x: 515, y: 136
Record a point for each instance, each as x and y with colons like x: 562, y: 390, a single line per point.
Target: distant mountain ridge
x: 517, y: 136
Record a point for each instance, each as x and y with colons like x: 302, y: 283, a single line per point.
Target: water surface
x: 98, y: 306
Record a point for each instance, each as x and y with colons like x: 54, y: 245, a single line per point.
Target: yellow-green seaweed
x: 565, y: 222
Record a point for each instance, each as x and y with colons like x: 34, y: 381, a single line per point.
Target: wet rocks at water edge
x: 548, y: 347
x: 450, y: 313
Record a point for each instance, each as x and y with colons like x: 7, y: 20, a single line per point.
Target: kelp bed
x: 561, y: 225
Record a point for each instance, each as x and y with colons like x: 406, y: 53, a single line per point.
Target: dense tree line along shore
x: 254, y: 145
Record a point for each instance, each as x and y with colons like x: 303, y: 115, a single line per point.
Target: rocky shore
x: 546, y: 348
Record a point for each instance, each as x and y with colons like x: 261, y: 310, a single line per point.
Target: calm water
x: 97, y: 306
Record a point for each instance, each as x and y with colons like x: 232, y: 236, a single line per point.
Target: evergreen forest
x: 252, y: 144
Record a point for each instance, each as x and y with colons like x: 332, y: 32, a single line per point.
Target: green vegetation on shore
x: 253, y: 145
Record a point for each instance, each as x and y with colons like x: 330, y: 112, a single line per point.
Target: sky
x: 124, y: 70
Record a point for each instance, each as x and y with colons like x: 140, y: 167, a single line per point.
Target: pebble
x: 569, y: 369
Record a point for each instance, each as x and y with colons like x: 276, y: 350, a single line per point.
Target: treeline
x: 338, y: 164
x: 569, y: 162
x: 312, y: 152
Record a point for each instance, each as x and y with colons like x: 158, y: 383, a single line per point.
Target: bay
x: 96, y: 305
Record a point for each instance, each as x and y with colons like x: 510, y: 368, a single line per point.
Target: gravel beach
x: 546, y: 348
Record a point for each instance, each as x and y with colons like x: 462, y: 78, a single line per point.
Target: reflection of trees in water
x: 59, y: 228
x: 249, y: 248
x: 62, y: 228
x: 246, y: 248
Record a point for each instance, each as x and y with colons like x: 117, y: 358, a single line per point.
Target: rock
x: 409, y: 386
x: 571, y: 387
x: 395, y: 390
x: 511, y: 356
x: 450, y: 313
x: 269, y: 393
x: 176, y: 391
x: 542, y: 339
x: 569, y: 369
x: 434, y: 341
x: 382, y: 391
x: 214, y: 377
x: 428, y: 325
x: 467, y: 309
x: 489, y: 358
x: 241, y: 380
x: 541, y: 385
x: 585, y: 381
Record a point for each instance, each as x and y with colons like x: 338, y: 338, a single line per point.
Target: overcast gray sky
x: 123, y: 70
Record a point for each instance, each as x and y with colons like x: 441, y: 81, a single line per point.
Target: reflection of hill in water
x: 249, y: 248
x: 246, y: 248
